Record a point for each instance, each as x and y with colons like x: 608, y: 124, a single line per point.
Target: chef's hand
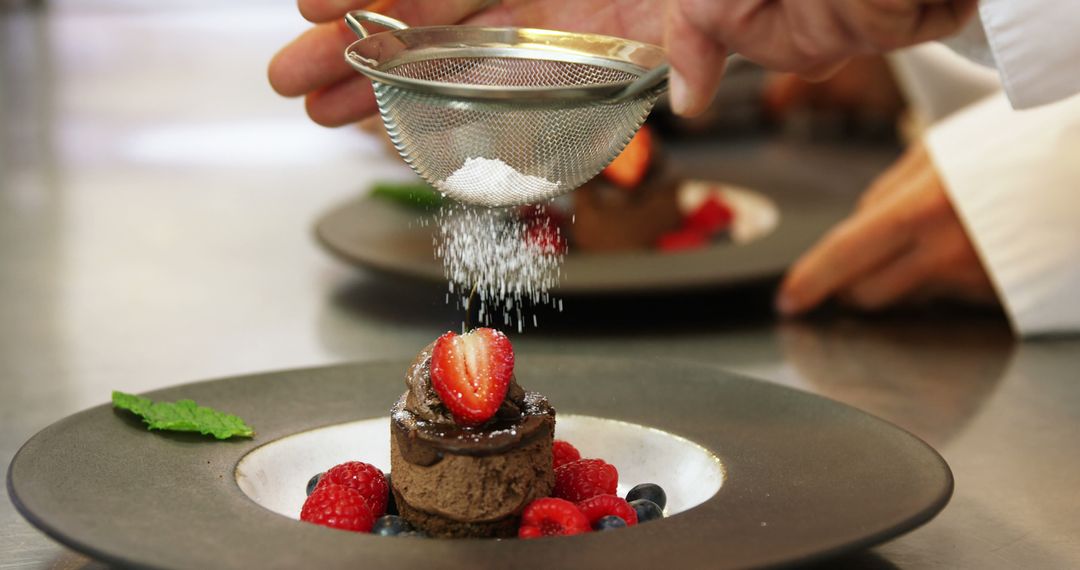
x: 313, y: 65
x: 809, y: 37
x: 812, y: 38
x: 903, y: 243
x: 862, y: 89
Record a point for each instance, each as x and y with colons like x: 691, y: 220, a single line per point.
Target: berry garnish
x: 647, y: 510
x: 543, y: 227
x: 610, y: 522
x: 391, y: 525
x: 312, y: 483
x: 529, y: 532
x: 363, y: 478
x: 600, y: 506
x: 338, y: 507
x: 584, y: 478
x: 650, y: 491
x: 471, y: 373
x: 552, y: 517
x: 683, y: 239
x: 564, y: 453
x: 712, y: 216
x: 630, y: 167
x: 545, y: 236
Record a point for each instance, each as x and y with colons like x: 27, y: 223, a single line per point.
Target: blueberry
x: 647, y: 510
x: 609, y: 522
x: 313, y: 482
x: 391, y: 503
x: 391, y: 525
x: 650, y: 491
x: 415, y: 534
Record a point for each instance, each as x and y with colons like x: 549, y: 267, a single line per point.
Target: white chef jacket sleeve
x: 1014, y: 179
x: 937, y: 82
x: 1036, y: 48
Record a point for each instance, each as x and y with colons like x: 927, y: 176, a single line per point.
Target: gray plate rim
x: 283, y: 397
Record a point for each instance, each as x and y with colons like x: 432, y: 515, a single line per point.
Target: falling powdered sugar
x: 491, y: 182
x: 495, y: 255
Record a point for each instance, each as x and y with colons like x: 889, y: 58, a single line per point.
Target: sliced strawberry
x: 541, y: 212
x: 546, y: 236
x: 713, y: 215
x: 630, y: 167
x: 471, y: 373
x: 682, y: 240
x: 543, y: 227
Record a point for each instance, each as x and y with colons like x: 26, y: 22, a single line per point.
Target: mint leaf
x: 184, y: 415
x: 414, y: 195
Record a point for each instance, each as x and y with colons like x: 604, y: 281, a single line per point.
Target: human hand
x: 810, y: 37
x: 903, y: 243
x: 864, y: 89
x: 312, y: 65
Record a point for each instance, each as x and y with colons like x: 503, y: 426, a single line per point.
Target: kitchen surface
x: 157, y: 204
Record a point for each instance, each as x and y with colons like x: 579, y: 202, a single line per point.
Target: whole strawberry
x: 585, y: 478
x: 600, y: 506
x: 563, y: 453
x: 552, y: 517
x: 363, y: 478
x: 338, y: 507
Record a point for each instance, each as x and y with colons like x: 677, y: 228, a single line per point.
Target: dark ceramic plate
x: 812, y: 186
x: 804, y: 477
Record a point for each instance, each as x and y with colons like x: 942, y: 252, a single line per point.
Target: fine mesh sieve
x: 506, y: 116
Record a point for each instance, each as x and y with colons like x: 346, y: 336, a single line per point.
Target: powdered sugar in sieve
x: 492, y: 182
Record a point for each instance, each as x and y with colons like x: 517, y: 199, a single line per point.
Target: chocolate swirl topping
x: 425, y: 428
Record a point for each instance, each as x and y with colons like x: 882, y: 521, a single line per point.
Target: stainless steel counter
x: 156, y: 201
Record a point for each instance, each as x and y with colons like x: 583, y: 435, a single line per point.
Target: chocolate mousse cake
x: 608, y: 218
x: 631, y: 205
x: 469, y: 448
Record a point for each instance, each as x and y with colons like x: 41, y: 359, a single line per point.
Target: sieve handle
x: 354, y: 19
x: 654, y: 78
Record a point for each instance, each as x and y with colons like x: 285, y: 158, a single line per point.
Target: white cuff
x: 1036, y: 47
x: 1014, y: 179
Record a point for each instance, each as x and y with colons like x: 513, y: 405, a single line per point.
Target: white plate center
x: 275, y: 475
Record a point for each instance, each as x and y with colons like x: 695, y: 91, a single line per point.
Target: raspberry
x: 683, y: 239
x: 584, y: 478
x: 529, y: 532
x: 363, y: 478
x: 337, y: 507
x: 713, y: 215
x: 564, y: 453
x: 600, y: 506
x: 552, y: 517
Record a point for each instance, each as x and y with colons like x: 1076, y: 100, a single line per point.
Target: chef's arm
x: 1014, y: 179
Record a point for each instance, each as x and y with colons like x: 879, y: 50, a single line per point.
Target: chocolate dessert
x: 610, y: 218
x: 469, y: 448
x: 631, y: 204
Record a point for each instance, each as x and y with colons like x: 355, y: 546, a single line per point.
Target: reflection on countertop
x: 930, y: 382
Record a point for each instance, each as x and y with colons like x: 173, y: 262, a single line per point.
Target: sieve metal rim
x: 508, y: 42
